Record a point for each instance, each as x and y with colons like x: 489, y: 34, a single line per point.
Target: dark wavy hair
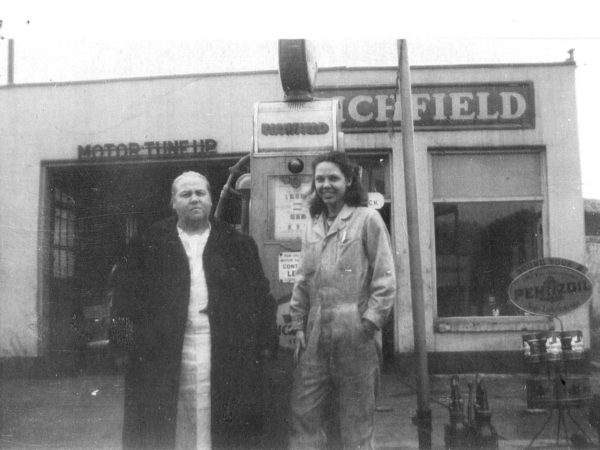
x: 355, y: 194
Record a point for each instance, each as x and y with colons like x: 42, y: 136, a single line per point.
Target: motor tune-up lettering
x: 148, y: 150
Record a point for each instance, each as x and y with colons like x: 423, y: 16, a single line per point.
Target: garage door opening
x: 91, y: 213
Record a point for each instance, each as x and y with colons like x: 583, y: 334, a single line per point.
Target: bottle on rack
x: 491, y: 306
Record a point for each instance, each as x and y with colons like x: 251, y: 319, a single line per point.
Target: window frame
x: 487, y: 323
x: 62, y: 202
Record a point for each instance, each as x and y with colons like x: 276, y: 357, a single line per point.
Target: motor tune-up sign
x: 550, y: 286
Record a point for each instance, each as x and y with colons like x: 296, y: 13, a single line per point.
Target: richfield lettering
x: 438, y: 107
x: 294, y: 128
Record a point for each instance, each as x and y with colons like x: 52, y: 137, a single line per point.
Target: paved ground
x: 85, y: 412
x: 515, y: 425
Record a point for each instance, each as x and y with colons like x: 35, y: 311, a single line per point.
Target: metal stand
x: 559, y: 404
x: 561, y: 420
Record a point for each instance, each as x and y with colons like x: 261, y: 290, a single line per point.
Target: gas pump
x: 287, y: 137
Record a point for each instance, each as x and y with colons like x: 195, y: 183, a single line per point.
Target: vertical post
x: 11, y: 62
x: 423, y: 417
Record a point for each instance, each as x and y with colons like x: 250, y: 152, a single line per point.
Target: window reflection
x: 478, y: 244
x: 64, y: 236
x: 374, y: 174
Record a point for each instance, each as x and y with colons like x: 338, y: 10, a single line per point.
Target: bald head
x: 191, y: 200
x: 184, y: 175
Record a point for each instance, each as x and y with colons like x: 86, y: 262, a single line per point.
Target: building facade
x: 89, y: 164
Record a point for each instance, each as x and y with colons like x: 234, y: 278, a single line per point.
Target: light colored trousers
x: 193, y: 406
x: 335, y: 383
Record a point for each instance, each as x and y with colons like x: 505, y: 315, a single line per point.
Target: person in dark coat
x: 152, y: 298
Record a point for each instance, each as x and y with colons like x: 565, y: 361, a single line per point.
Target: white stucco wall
x: 47, y: 122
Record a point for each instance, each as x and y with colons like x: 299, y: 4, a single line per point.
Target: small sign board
x: 550, y: 286
x: 376, y: 200
x: 288, y: 263
x: 294, y: 127
x: 286, y: 203
x: 287, y: 338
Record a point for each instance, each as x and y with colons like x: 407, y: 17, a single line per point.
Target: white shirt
x: 194, y: 248
x: 193, y: 405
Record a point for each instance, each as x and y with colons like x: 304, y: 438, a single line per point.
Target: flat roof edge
x: 145, y: 78
x: 274, y: 71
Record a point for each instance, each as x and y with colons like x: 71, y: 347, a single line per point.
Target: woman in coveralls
x: 344, y: 290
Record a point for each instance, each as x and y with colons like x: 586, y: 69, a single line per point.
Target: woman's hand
x: 369, y: 328
x: 300, y: 345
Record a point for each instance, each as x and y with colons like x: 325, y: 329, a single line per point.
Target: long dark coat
x: 153, y: 294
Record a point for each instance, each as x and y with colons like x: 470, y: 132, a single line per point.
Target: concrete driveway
x: 85, y: 411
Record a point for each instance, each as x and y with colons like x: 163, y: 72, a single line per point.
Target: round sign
x: 297, y: 67
x: 376, y: 200
x: 550, y: 290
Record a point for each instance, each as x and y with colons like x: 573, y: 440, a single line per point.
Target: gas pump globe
x: 287, y: 137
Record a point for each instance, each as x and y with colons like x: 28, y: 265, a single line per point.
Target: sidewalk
x: 507, y: 400
x: 80, y: 412
x: 85, y: 412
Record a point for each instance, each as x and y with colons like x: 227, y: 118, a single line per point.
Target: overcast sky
x: 82, y: 40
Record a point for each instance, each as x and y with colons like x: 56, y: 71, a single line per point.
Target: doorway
x: 92, y: 211
x: 376, y: 177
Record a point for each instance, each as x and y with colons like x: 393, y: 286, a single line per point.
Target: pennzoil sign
x: 550, y: 286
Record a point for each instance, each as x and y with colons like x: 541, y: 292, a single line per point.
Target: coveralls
x: 345, y: 274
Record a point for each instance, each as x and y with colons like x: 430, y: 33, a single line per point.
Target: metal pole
x: 423, y: 417
x: 11, y: 62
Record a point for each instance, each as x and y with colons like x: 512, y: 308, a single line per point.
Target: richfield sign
x: 296, y: 126
x: 437, y: 107
x: 550, y: 286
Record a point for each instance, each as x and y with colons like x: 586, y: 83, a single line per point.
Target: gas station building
x: 88, y: 164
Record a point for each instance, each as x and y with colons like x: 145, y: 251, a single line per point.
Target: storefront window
x: 374, y: 173
x: 375, y: 177
x: 488, y: 219
x: 477, y: 247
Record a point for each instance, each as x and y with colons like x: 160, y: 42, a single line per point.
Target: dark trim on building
x: 404, y: 364
x: 62, y: 163
x: 475, y: 362
x: 494, y: 148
